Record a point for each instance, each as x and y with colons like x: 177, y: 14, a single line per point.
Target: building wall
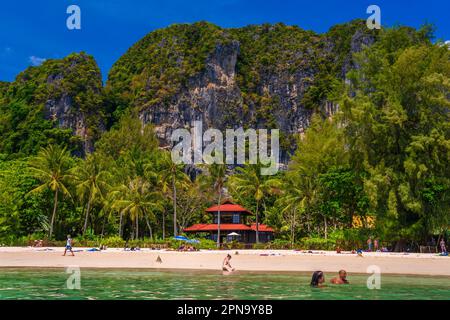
x: 229, y: 217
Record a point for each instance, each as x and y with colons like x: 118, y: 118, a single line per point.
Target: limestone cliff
x: 60, y: 100
x: 266, y: 76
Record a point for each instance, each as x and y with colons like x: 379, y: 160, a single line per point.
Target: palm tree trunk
x: 325, y: 227
x: 120, y: 224
x: 137, y: 227
x: 257, y: 222
x: 87, y: 215
x: 308, y: 225
x: 175, y: 233
x: 293, y: 230
x: 103, y: 226
x: 55, y: 205
x: 218, y: 220
x: 164, y: 225
x: 149, y: 226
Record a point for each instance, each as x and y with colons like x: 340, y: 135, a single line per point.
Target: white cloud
x: 36, y: 61
x: 6, y: 51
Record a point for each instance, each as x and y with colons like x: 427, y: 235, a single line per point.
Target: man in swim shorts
x: 68, y: 245
x: 341, y: 278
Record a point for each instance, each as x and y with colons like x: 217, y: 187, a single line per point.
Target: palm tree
x: 110, y: 207
x: 161, y: 181
x: 249, y: 182
x: 134, y: 198
x: 292, y: 200
x: 51, y: 167
x: 92, y: 181
x: 172, y: 173
x: 216, y: 179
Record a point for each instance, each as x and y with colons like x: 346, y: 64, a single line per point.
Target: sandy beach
x: 245, y: 260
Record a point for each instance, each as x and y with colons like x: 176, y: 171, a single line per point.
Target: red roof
x: 228, y: 207
x: 262, y: 228
x: 227, y: 227
x: 213, y: 227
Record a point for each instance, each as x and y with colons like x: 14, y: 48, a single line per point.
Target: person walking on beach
x: 68, y: 245
x: 375, y: 245
x: 226, y: 266
x: 369, y: 243
x: 443, y: 246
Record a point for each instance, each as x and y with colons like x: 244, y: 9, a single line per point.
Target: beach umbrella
x: 233, y: 236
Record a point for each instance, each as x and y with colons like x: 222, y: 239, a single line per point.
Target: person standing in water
x: 341, y: 279
x: 68, y: 245
x: 318, y: 279
x: 226, y: 266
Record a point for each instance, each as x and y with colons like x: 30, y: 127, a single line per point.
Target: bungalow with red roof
x: 233, y: 219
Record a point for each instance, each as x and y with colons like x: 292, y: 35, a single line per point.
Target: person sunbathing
x: 38, y: 243
x: 226, y: 266
x: 341, y: 278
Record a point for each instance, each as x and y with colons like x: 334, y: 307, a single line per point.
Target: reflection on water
x: 25, y: 283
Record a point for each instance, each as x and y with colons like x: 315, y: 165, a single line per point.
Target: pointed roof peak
x: 228, y: 206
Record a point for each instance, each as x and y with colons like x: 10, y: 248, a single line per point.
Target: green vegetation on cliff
x: 159, y: 65
x: 45, y: 104
x: 381, y: 157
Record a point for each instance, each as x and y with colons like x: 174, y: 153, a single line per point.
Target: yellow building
x: 361, y: 222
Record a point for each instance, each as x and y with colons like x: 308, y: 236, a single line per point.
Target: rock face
x: 79, y: 106
x: 269, y: 76
x: 68, y: 94
x: 263, y: 76
x: 359, y: 40
x: 66, y: 116
x: 207, y: 97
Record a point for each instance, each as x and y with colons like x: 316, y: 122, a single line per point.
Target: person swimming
x: 341, y: 278
x: 317, y: 280
x: 226, y: 266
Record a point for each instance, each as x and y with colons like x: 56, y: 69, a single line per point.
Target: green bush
x: 207, y: 244
x: 318, y: 244
x: 278, y: 244
x: 260, y: 246
x: 351, y: 239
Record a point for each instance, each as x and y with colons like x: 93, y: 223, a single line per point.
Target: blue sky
x: 31, y: 31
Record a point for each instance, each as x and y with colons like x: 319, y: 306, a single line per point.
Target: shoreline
x: 216, y: 271
x: 211, y: 260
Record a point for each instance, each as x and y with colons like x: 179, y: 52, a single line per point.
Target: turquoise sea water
x: 33, y: 283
